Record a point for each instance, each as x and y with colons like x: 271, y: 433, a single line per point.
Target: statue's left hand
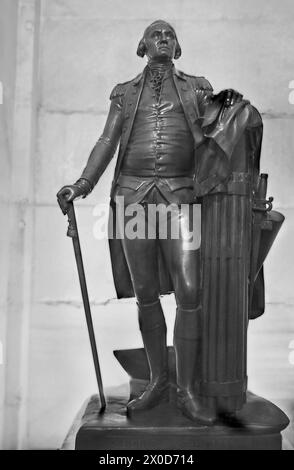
x: 230, y: 97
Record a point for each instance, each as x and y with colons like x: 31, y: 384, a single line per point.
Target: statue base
x: 257, y: 425
x: 165, y: 428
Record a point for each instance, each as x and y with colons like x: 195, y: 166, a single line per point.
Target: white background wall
x: 83, y: 49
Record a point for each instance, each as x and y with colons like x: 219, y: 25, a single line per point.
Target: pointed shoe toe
x: 194, y: 410
x: 153, y: 395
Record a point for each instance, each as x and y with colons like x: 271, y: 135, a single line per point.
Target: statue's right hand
x: 65, y: 195
x: 69, y: 193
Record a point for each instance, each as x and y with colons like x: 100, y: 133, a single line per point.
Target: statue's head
x: 159, y: 42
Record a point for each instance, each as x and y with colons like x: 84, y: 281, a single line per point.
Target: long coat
x: 215, y: 132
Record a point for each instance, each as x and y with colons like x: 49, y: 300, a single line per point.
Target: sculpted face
x: 160, y: 41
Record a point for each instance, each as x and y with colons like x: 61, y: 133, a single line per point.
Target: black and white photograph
x: 146, y: 228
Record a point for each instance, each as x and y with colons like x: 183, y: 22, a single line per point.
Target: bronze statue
x: 181, y: 144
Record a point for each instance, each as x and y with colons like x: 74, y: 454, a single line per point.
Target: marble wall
x: 85, y: 47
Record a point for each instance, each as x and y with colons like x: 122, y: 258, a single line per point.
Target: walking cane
x: 72, y: 232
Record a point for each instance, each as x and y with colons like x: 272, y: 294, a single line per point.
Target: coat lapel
x: 189, y: 104
x: 131, y: 102
x: 130, y: 106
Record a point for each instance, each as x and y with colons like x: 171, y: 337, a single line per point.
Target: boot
x: 187, y: 349
x: 153, y: 330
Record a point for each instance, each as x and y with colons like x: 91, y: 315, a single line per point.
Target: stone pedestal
x: 256, y: 426
x: 165, y: 428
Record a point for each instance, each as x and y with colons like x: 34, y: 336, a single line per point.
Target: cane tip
x: 102, y: 409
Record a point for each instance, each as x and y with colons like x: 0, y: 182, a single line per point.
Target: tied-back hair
x: 142, y: 49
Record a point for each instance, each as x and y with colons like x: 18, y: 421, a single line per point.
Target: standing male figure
x: 158, y: 119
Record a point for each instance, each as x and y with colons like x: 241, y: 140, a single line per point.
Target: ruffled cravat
x: 157, y: 72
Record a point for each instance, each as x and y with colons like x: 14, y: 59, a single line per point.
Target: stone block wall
x: 84, y: 48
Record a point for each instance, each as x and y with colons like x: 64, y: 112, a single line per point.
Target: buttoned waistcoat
x: 195, y: 94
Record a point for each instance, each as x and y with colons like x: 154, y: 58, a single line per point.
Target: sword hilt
x: 261, y: 203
